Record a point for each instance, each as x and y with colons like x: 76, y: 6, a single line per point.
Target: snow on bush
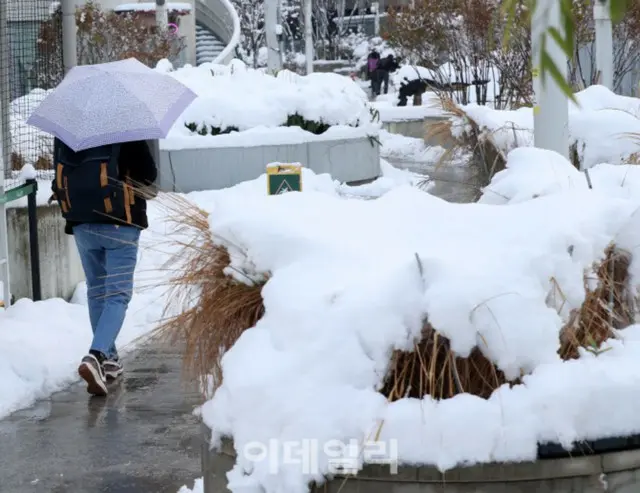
x: 604, y: 128
x: 351, y: 281
x: 234, y: 98
x: 237, y: 98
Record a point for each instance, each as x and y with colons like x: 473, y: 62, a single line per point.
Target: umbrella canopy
x: 112, y: 102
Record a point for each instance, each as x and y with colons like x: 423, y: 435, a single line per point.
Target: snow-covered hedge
x: 236, y: 98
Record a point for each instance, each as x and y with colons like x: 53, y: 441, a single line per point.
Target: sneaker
x: 112, y: 369
x: 91, y: 372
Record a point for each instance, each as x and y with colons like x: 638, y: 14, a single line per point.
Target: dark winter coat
x: 135, y: 160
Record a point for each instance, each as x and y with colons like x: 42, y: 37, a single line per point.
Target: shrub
x: 294, y: 120
x: 103, y: 36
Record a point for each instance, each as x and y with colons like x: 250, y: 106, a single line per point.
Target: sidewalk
x: 142, y: 439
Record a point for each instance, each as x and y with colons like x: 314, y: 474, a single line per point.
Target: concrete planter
x: 189, y: 170
x: 416, y: 128
x: 60, y: 267
x: 615, y: 472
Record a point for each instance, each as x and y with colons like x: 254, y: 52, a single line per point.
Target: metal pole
x: 5, y: 146
x: 604, y: 42
x: 551, y: 111
x: 271, y: 34
x: 281, y: 41
x: 69, y: 42
x: 34, y: 246
x: 308, y: 35
x: 162, y: 17
x: 375, y: 6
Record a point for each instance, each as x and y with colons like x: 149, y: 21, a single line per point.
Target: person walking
x: 372, y: 71
x: 386, y: 66
x: 99, y: 192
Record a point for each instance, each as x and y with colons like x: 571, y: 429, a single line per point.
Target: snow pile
x: 408, y: 149
x: 30, y: 370
x: 238, y: 98
x: 353, y: 280
x: 604, y: 127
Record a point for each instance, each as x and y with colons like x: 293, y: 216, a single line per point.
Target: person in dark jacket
x: 372, y: 71
x: 386, y: 66
x: 108, y: 251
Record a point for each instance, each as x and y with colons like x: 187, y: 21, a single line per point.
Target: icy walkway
x: 141, y: 439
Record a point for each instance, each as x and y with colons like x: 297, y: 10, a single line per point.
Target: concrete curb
x: 616, y: 472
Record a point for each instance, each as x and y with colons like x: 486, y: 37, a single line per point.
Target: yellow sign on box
x: 282, y: 178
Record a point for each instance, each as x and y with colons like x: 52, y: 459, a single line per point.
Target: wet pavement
x: 452, y: 183
x: 143, y: 438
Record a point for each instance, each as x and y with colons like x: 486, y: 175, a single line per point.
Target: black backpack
x: 87, y: 184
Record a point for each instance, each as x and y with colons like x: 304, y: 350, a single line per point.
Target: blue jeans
x: 108, y: 254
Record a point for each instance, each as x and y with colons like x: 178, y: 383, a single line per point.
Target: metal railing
x: 221, y: 18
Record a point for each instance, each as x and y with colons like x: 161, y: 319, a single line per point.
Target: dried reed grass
x: 216, y: 308
x: 606, y: 307
x: 485, y: 156
x: 432, y: 369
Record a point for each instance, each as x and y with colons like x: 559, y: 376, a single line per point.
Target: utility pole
x: 69, y: 41
x: 271, y: 34
x: 551, y: 108
x: 308, y: 35
x: 162, y: 17
x: 604, y: 42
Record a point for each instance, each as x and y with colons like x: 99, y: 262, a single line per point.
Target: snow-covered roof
x: 151, y: 7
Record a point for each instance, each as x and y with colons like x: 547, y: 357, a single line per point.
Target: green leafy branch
x: 564, y: 36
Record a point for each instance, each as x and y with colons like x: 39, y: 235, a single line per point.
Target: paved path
x: 143, y: 438
x: 455, y: 184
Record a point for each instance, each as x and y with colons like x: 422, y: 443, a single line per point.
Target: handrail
x: 221, y: 18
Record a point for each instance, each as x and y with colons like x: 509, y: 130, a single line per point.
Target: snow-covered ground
x: 41, y: 343
x: 397, y: 147
x: 346, y: 288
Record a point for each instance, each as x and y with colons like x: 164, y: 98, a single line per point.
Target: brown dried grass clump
x: 44, y: 162
x: 17, y: 161
x: 485, y: 156
x: 605, y: 308
x: 432, y: 369
x: 216, y: 307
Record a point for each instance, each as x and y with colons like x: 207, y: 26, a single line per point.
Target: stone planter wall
x: 416, y: 128
x: 60, y: 267
x: 617, y: 472
x: 354, y: 160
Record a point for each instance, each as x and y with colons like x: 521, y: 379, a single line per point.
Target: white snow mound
x: 353, y: 280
